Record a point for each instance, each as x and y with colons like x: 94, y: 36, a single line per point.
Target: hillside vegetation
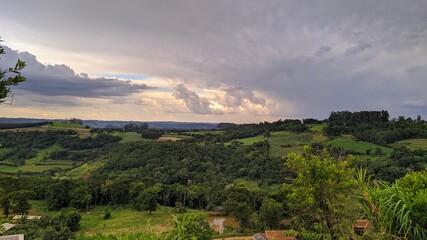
x: 131, y: 182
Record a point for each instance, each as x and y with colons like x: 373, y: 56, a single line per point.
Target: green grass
x: 251, y: 140
x: 175, y: 135
x: 39, y: 163
x: 284, y: 138
x: 85, y: 169
x: 41, y: 154
x: 67, y: 125
x: 81, y: 130
x: 348, y: 143
x: 126, y: 220
x: 34, y: 168
x: 283, y: 142
x: 277, y: 151
x: 201, y: 132
x: 317, y: 128
x: 130, y: 137
x: 413, y: 144
x: 39, y: 208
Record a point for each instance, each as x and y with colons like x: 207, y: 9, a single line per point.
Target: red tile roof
x: 277, y: 235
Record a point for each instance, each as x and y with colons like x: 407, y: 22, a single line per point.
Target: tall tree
x: 147, y: 201
x: 19, y: 201
x: 56, y: 196
x: 270, y: 212
x: 322, y: 192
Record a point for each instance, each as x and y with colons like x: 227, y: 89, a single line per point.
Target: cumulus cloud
x: 194, y: 102
x: 61, y: 80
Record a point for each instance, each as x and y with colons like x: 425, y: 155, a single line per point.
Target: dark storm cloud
x: 61, y: 80
x: 317, y: 56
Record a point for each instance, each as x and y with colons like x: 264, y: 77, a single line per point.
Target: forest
x: 312, y: 178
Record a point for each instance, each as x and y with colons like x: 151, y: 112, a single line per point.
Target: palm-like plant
x: 390, y: 209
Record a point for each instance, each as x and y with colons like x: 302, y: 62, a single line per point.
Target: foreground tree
x: 321, y: 193
x: 10, y: 77
x: 191, y: 226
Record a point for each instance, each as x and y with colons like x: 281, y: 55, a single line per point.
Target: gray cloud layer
x: 317, y: 56
x: 61, y: 80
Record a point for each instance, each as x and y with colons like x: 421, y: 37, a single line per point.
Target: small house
x: 6, y: 227
x: 13, y: 237
x: 360, y: 226
x: 273, y: 235
x: 28, y: 217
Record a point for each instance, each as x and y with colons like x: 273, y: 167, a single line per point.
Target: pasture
x: 413, y: 144
x: 39, y: 163
x: 360, y: 147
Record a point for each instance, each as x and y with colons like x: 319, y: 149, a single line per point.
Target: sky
x: 215, y: 61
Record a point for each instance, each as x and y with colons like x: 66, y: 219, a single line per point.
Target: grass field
x: 130, y: 137
x: 201, y: 132
x: 348, y: 143
x: 413, y: 144
x: 250, y: 141
x: 124, y: 219
x: 283, y: 142
x: 317, y: 128
x: 172, y: 137
x: 66, y: 125
x: 85, y: 169
x: 39, y: 163
x: 284, y: 138
x: 35, y: 168
x: 81, y: 130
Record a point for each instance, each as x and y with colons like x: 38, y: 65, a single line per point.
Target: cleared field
x: 37, y: 168
x: 172, y: 137
x: 39, y: 207
x: 85, y: 169
x: 284, y: 138
x: 283, y: 142
x: 357, y: 146
x: 43, y: 154
x: 67, y: 125
x: 277, y: 151
x: 205, y: 132
x: 125, y: 220
x: 317, y: 128
x: 250, y: 141
x: 81, y: 130
x: 130, y: 137
x: 413, y: 144
x: 40, y: 163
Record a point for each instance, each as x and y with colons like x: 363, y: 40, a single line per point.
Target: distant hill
x: 120, y: 124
